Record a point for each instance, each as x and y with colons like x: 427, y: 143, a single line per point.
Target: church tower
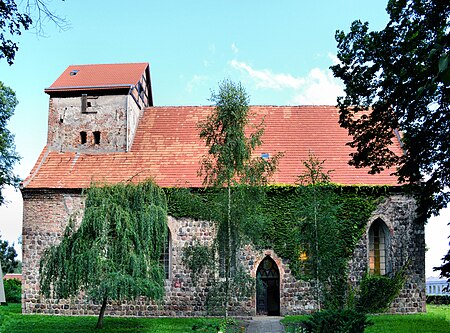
x: 96, y: 108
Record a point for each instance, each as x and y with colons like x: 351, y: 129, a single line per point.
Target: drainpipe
x: 126, y: 120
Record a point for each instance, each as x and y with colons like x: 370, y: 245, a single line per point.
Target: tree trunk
x: 102, y: 314
x: 228, y: 259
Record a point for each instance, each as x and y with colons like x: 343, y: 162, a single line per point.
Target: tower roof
x: 98, y: 77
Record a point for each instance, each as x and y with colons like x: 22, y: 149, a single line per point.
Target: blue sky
x: 279, y: 50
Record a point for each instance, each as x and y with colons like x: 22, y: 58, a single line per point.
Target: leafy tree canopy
x: 8, y: 257
x: 231, y: 139
x: 230, y: 149
x: 398, y: 79
x: 114, y: 254
x: 14, y: 20
x: 8, y: 155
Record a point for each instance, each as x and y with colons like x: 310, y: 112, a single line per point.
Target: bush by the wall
x: 438, y: 299
x: 378, y: 292
x: 13, y: 290
x: 337, y: 321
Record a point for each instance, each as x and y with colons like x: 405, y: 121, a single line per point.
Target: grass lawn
x: 11, y: 320
x: 436, y: 320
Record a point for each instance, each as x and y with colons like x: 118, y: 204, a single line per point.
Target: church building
x: 103, y: 127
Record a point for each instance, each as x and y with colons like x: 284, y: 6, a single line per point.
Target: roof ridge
x: 113, y: 63
x: 37, y: 168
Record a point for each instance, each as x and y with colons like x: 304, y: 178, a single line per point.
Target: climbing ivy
x: 281, y: 219
x: 197, y: 258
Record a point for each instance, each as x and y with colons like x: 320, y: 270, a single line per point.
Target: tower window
x: 83, y: 137
x: 83, y: 103
x: 96, y: 137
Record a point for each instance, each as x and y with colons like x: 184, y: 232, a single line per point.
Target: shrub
x: 378, y: 292
x: 438, y: 299
x: 13, y: 290
x: 337, y: 321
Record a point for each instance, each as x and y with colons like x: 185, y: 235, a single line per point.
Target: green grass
x: 436, y: 320
x: 11, y: 320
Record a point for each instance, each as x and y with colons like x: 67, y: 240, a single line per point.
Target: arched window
x: 165, y: 258
x: 378, y: 246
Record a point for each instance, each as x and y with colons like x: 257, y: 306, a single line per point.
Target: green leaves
x: 11, y: 23
x: 8, y: 155
x: 7, y: 257
x: 230, y: 148
x: 397, y: 79
x: 115, y: 252
x: 444, y: 70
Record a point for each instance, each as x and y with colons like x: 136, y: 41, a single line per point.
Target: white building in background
x: 435, y: 286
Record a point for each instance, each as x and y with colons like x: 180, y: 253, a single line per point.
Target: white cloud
x: 234, y: 48
x: 266, y: 79
x: 334, y: 59
x: 195, y: 81
x: 320, y: 88
x: 317, y: 87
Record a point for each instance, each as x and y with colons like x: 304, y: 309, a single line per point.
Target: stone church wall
x: 407, y: 248
x: 47, y: 212
x: 106, y: 115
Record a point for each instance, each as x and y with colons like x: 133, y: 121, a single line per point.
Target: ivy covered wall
x: 282, y: 219
x: 319, y: 232
x: 280, y: 225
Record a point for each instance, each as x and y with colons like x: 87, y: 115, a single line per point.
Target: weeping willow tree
x: 114, y: 254
x: 231, y: 139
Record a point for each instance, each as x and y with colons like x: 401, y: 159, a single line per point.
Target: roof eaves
x: 102, y: 87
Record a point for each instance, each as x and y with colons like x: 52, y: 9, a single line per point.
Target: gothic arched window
x: 378, y: 248
x: 165, y: 258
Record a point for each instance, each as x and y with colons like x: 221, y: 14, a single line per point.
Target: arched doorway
x: 268, y: 288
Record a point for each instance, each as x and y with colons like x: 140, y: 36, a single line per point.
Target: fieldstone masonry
x: 47, y: 213
x: 114, y: 117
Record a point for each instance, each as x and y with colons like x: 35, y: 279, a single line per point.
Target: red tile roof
x: 10, y: 276
x: 168, y: 149
x: 103, y: 76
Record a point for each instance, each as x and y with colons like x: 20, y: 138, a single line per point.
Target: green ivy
x: 197, y: 257
x: 282, y: 219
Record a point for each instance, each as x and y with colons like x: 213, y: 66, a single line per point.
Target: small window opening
x: 88, y: 104
x: 74, y: 72
x: 83, y: 137
x: 97, y: 137
x: 83, y: 102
